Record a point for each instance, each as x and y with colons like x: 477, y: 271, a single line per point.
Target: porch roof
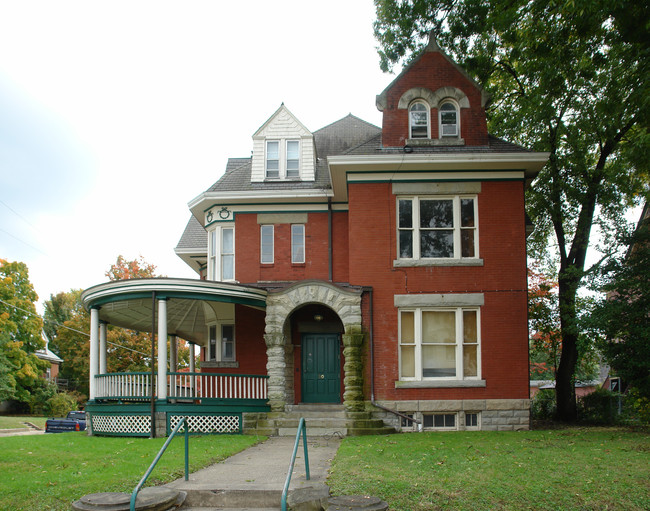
x: 191, y: 304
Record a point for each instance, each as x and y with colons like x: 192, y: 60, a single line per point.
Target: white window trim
x: 428, y: 108
x: 283, y: 153
x: 215, y: 253
x: 415, y: 214
x: 304, y: 245
x: 262, y: 228
x: 456, y: 106
x: 458, y: 345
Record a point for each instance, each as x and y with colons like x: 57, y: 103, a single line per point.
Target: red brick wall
x: 248, y: 268
x: 433, y: 71
x: 250, y: 348
x: 502, y: 280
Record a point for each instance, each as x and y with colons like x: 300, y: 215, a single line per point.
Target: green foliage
x: 18, y: 315
x: 60, y: 404
x: 57, y: 310
x: 39, y: 397
x: 622, y: 317
x: 639, y: 406
x: 543, y: 406
x: 570, y: 78
x: 599, y: 407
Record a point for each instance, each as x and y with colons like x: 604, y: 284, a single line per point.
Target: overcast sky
x: 114, y: 115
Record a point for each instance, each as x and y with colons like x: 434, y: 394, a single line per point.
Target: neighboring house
x: 376, y: 274
x: 55, y: 361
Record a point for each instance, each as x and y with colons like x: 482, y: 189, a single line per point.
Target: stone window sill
x: 230, y: 365
x: 439, y: 384
x: 407, y: 263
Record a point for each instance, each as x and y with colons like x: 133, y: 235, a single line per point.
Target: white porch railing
x: 125, y: 385
x: 216, y: 386
x: 138, y: 386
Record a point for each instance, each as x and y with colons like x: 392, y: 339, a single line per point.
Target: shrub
x: 638, y: 407
x: 60, y: 405
x: 39, y: 397
x: 543, y: 405
x: 599, y: 407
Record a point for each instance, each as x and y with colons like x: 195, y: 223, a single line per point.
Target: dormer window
x: 272, y: 159
x: 419, y: 120
x: 448, y: 119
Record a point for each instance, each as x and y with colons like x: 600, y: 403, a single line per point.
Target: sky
x: 114, y: 115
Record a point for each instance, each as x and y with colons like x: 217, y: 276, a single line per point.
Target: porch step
x: 321, y: 420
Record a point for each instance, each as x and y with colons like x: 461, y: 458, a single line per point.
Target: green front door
x: 321, y: 368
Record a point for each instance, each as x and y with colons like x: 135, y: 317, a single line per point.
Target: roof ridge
x: 350, y: 115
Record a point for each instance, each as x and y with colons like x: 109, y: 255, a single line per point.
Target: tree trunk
x: 564, y: 380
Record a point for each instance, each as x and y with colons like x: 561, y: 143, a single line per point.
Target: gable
x: 282, y: 130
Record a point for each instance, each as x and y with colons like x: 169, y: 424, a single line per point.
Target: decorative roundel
x: 224, y: 213
x: 209, y: 217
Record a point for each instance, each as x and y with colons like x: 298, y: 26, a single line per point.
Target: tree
x: 57, y: 310
x: 570, y: 78
x: 18, y: 315
x: 20, y: 334
x: 623, y: 317
x: 136, y: 269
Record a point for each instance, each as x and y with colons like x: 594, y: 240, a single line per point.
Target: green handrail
x: 301, y: 428
x: 183, y: 422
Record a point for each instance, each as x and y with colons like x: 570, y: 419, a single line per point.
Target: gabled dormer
x: 433, y: 102
x: 283, y: 150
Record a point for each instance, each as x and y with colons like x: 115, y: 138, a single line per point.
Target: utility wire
x: 72, y: 329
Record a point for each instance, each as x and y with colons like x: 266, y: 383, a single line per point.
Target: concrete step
x: 233, y: 499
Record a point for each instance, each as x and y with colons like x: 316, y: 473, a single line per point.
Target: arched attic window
x: 448, y: 119
x: 419, y: 126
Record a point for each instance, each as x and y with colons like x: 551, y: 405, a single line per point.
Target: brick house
x: 375, y: 273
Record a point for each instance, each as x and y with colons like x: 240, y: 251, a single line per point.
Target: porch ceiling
x: 191, y: 304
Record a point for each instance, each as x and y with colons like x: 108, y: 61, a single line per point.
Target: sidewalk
x: 258, y: 474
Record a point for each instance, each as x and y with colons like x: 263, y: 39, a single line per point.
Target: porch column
x: 353, y: 368
x: 173, y: 353
x: 192, y: 369
x: 94, y: 352
x: 162, y: 349
x: 102, y: 347
x: 276, y: 367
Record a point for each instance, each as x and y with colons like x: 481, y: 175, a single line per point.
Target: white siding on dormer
x: 283, y: 126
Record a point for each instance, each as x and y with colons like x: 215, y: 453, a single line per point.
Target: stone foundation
x: 491, y: 414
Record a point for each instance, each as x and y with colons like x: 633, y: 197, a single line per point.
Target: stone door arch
x: 346, y: 303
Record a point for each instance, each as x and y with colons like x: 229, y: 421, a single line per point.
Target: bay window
x: 221, y: 253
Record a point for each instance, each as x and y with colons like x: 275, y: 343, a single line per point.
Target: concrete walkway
x: 255, y: 477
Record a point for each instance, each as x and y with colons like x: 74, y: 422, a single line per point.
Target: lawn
x: 17, y: 422
x: 556, y: 469
x: 54, y: 470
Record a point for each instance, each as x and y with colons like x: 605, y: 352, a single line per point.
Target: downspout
x: 372, y: 365
x: 152, y: 433
x: 329, y: 237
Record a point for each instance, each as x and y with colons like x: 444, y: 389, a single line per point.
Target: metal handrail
x: 182, y: 422
x: 301, y: 428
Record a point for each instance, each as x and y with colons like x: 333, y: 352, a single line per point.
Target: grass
x: 560, y: 469
x: 55, y: 470
x: 18, y: 422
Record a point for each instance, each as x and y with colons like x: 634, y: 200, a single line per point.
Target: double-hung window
x: 440, y: 343
x: 297, y: 243
x: 222, y: 343
x: 266, y: 244
x: 448, y: 116
x: 437, y: 227
x: 221, y: 253
x: 293, y: 159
